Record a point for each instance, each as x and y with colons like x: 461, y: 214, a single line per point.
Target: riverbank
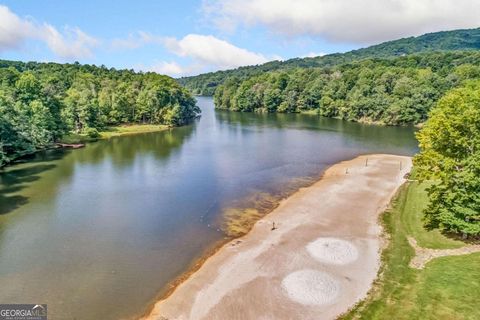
x: 320, y: 259
x: 75, y: 140
x: 114, y: 131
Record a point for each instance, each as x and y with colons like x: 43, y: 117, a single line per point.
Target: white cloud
x: 277, y: 57
x: 313, y: 54
x: 15, y: 31
x: 173, y: 69
x: 361, y: 21
x: 74, y: 44
x: 213, y: 51
x: 201, y: 53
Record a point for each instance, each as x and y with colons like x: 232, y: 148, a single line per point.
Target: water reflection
x: 124, y: 151
x: 382, y: 136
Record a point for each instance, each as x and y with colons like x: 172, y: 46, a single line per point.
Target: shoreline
x: 114, y: 131
x: 208, y: 280
x: 83, y: 140
x: 213, y: 249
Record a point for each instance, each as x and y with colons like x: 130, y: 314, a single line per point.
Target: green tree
x: 450, y: 154
x: 40, y: 102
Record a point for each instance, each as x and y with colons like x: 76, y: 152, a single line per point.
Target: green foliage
x: 92, y: 133
x: 390, y: 91
x: 41, y: 102
x: 457, y: 40
x: 450, y: 153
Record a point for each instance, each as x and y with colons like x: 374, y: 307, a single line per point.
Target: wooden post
x: 366, y: 162
x: 400, y: 165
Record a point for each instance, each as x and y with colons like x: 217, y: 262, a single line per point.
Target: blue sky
x: 194, y: 36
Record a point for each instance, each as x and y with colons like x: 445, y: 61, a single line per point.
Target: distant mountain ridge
x: 455, y: 40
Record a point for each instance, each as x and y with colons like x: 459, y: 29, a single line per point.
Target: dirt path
x: 319, y: 261
x: 424, y: 255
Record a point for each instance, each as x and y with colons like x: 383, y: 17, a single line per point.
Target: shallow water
x: 99, y: 232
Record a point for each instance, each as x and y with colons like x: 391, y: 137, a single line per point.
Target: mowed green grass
x: 114, y: 132
x: 448, y: 287
x: 131, y: 129
x: 412, y: 219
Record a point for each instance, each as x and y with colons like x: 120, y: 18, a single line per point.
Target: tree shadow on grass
x: 472, y: 240
x: 13, y: 181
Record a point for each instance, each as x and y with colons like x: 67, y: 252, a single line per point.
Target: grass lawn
x: 448, y: 287
x: 411, y: 216
x: 131, y: 129
x: 113, y: 132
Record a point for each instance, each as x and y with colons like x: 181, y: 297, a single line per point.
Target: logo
x: 23, y: 312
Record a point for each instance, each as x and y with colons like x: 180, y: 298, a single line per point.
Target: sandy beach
x: 319, y: 261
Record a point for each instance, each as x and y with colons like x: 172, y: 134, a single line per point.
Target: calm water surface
x: 97, y: 233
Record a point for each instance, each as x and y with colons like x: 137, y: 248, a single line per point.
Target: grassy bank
x: 448, y: 287
x: 113, y: 132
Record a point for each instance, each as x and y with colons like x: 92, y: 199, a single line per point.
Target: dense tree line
x: 389, y: 91
x: 450, y: 154
x: 457, y: 40
x: 41, y: 102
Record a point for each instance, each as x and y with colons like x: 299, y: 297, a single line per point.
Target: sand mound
x: 311, y: 287
x: 333, y: 250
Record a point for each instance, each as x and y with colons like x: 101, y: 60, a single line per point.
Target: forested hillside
x: 41, y: 102
x: 457, y: 40
x: 390, y: 91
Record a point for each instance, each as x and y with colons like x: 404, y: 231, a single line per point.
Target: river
x: 99, y: 232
